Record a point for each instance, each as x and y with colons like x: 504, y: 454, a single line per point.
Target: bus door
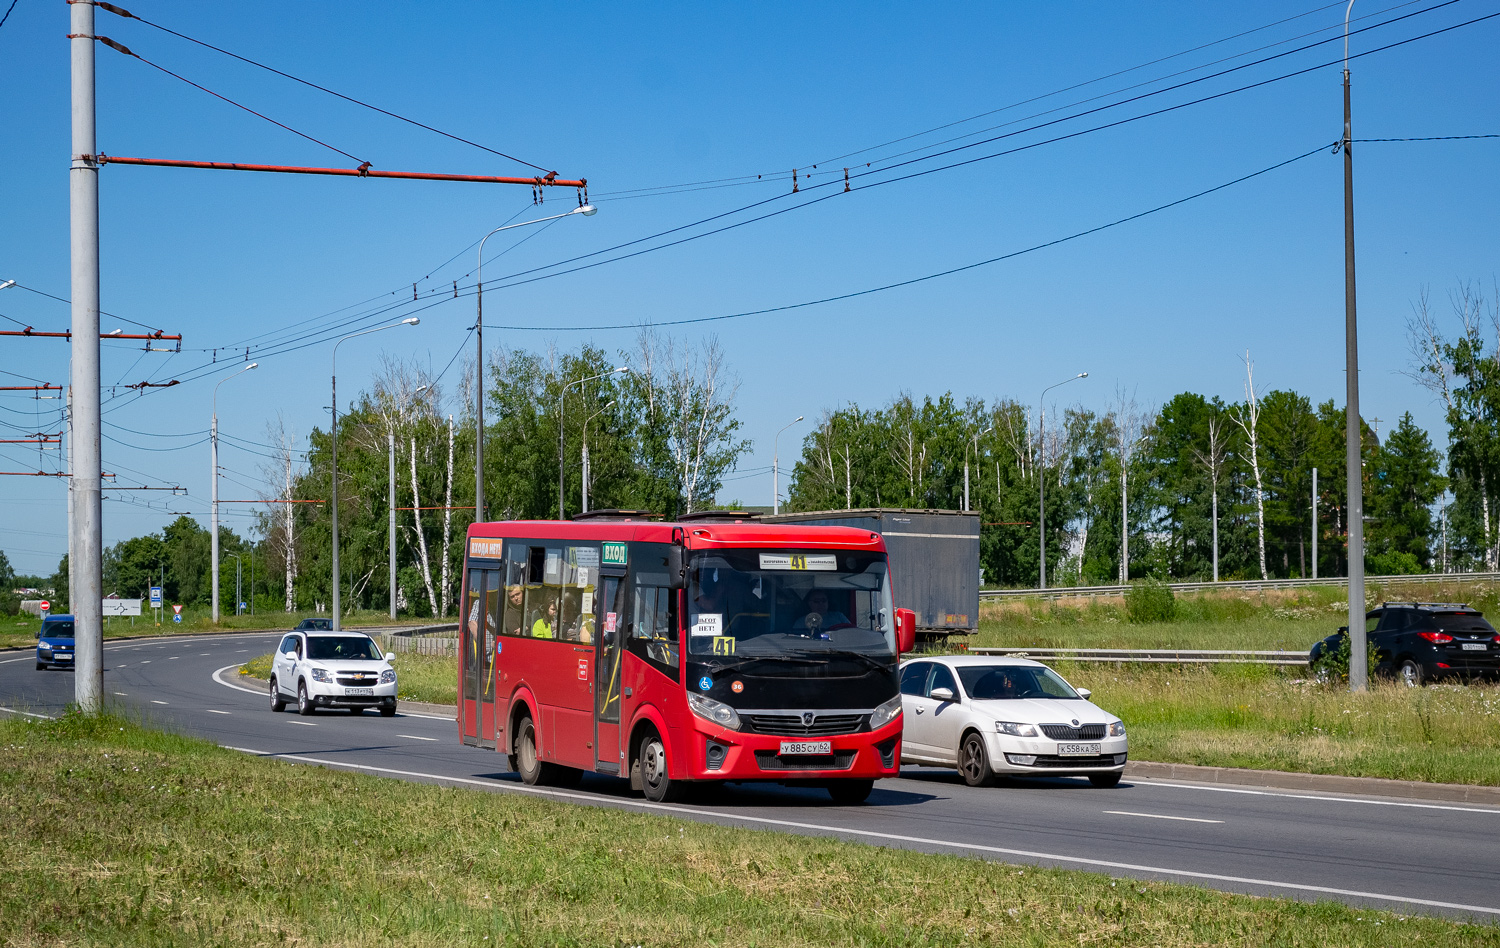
x: 609, y: 652
x: 476, y: 695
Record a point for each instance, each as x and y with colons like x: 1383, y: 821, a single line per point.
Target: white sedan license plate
x: 1474, y: 646
x: 356, y: 692
x: 794, y: 748
x: 1078, y: 750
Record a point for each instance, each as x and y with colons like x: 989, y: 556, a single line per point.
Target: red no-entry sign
x: 46, y: 606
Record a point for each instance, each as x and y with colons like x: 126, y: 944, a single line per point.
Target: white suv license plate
x: 1078, y: 750
x: 1474, y: 646
x: 356, y: 692
x: 794, y: 748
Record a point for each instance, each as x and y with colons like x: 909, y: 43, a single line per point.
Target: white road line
x: 1492, y: 811
x: 154, y: 701
x: 1162, y: 816
x: 872, y: 834
x: 203, y: 654
x: 145, y: 661
x: 241, y: 651
x: 416, y: 738
x: 212, y: 711
x: 305, y: 723
x: 174, y: 658
x: 122, y: 694
x: 28, y: 714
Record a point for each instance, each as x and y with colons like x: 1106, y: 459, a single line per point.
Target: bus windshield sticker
x: 614, y: 554
x: 723, y: 645
x: 583, y: 576
x: 709, y: 623
x: 588, y: 603
x: 609, y: 622
x: 705, y: 683
x: 824, y: 562
x: 585, y: 556
x: 553, y: 568
x: 485, y: 549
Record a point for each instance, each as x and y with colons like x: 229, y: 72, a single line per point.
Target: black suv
x: 314, y: 625
x: 1418, y: 642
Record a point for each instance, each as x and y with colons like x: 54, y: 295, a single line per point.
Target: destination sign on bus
x: 824, y: 562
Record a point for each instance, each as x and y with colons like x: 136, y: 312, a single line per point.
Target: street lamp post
x: 776, y: 467
x: 585, y: 487
x: 587, y: 210
x: 334, y: 440
x: 1354, y: 485
x: 561, y: 443
x: 237, y: 591
x: 975, y: 439
x: 1041, y: 483
x: 213, y: 450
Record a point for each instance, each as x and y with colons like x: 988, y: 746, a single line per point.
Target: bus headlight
x: 886, y: 713
x: 715, y: 711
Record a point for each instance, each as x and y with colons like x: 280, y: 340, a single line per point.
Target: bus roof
x: 696, y: 535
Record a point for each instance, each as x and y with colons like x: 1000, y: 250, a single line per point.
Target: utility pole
x: 390, y: 528
x: 1315, y: 524
x: 1358, y: 668
x: 72, y: 552
x: 86, y: 530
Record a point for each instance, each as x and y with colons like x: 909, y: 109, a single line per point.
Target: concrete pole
x: 334, y: 489
x: 390, y: 529
x: 584, y: 488
x: 87, y: 602
x: 72, y: 553
x: 479, y: 508
x: 1315, y: 524
x: 213, y: 453
x: 1041, y: 491
x: 1353, y: 436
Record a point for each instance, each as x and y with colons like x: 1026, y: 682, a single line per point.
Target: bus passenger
x: 514, y: 613
x: 545, y: 624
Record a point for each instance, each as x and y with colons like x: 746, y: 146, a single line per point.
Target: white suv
x: 332, y: 670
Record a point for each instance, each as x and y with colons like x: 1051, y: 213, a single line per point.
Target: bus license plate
x: 794, y: 748
x: 357, y: 692
x: 1078, y: 750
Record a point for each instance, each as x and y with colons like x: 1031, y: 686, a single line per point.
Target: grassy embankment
x: 115, y: 835
x: 21, y: 630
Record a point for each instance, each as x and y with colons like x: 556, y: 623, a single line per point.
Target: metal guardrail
x: 1160, y: 656
x: 1061, y: 592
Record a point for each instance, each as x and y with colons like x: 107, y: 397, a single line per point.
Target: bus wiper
x: 872, y: 662
x: 716, y: 670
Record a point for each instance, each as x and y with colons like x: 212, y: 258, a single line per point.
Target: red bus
x: 675, y: 654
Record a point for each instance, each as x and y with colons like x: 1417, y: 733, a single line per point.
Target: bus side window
x: 514, y: 622
x: 653, y: 633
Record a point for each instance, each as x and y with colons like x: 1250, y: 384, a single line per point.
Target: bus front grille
x: 791, y: 725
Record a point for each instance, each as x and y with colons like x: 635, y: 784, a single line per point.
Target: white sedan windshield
x: 987, y: 682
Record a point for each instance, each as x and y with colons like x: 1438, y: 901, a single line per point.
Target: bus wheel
x: 652, y: 763
x: 527, y: 763
x: 850, y: 792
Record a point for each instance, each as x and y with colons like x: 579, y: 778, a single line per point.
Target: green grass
x: 1230, y: 619
x: 428, y: 678
x: 197, y: 619
x: 118, y: 836
x: 1262, y: 717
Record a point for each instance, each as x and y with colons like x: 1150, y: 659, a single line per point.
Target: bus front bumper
x: 720, y: 754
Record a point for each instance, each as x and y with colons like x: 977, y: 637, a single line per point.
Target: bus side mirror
x: 906, y: 631
x: 676, y: 567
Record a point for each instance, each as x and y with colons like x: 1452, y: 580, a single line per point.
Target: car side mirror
x: 943, y: 694
x: 906, y: 632
x: 1084, y: 693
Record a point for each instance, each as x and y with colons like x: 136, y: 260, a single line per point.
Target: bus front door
x: 609, y: 651
x: 476, y: 658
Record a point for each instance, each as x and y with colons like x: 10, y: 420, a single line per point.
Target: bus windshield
x: 794, y: 603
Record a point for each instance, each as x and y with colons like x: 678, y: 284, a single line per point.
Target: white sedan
x: 992, y: 716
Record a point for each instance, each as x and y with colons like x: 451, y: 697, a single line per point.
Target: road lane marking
x: 46, y: 717
x: 145, y: 661
x: 241, y: 651
x: 416, y: 738
x: 871, y: 834
x: 122, y: 694
x: 174, y: 658
x: 1161, y: 816
x: 1492, y: 811
x: 212, y: 711
x: 203, y: 654
x: 305, y: 723
x: 154, y: 701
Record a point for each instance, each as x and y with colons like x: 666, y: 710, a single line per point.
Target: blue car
x: 54, y: 647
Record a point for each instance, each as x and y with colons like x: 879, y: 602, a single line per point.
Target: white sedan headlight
x: 1117, y: 729
x: 323, y: 675
x: 885, y: 714
x: 1016, y: 730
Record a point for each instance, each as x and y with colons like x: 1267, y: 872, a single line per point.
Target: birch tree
x: 1212, y: 461
x: 1248, y: 418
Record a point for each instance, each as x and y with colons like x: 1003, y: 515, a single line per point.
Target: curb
x: 1326, y: 783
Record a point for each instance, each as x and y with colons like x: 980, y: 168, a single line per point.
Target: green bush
x: 1333, y: 663
x: 1394, y: 563
x: 1150, y: 600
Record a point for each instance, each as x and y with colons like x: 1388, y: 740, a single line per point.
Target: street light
x: 1041, y: 483
x: 560, y: 430
x: 1354, y: 469
x: 587, y: 210
x: 334, y: 438
x: 976, y: 460
x: 237, y: 591
x: 213, y: 438
x: 585, y: 488
x: 776, y: 467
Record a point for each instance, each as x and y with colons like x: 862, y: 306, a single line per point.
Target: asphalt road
x: 1432, y: 858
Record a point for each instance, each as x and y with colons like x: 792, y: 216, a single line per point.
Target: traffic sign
x: 178, y: 610
x: 178, y: 616
x: 46, y: 606
x: 156, y: 597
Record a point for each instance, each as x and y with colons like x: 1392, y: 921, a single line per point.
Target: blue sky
x: 632, y: 97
